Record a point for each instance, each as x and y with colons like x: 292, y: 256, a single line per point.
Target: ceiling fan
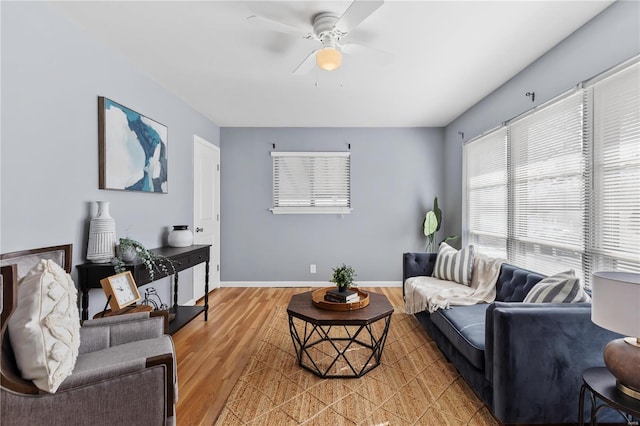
x: 329, y: 30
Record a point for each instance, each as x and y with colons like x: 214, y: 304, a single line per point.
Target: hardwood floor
x: 211, y: 355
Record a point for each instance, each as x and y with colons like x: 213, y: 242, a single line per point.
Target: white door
x: 206, y: 211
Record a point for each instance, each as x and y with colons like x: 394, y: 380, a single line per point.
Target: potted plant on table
x: 130, y: 249
x: 343, y: 277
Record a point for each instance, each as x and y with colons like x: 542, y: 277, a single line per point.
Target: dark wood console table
x: 90, y: 274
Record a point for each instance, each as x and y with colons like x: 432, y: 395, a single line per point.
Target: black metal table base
x: 603, y: 394
x: 339, y: 351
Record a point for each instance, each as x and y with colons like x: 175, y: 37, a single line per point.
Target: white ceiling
x: 447, y: 55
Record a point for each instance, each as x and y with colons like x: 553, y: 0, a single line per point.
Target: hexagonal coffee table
x: 336, y: 344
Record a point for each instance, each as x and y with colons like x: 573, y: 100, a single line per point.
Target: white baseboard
x: 271, y: 284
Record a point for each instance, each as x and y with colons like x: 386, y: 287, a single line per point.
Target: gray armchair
x: 125, y: 372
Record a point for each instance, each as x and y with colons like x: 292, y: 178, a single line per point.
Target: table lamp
x: 616, y: 307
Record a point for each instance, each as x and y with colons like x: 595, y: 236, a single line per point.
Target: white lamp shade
x: 615, y: 302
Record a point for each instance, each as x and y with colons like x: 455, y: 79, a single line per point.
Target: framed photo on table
x: 122, y: 290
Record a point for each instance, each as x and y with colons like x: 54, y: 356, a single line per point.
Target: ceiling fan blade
x: 306, y: 65
x: 268, y: 24
x: 369, y: 54
x: 357, y: 12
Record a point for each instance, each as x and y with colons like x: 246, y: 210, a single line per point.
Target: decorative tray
x: 318, y: 300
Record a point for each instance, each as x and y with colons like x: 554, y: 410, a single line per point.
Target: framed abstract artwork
x: 132, y: 149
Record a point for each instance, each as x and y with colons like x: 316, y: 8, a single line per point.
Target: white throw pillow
x: 45, y: 328
x: 454, y: 265
x: 559, y: 288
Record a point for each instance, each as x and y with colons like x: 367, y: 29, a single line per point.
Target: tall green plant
x: 437, y: 212
x: 432, y: 224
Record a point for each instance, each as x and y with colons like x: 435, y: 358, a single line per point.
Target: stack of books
x: 347, y: 296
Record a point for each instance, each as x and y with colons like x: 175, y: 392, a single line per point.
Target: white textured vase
x: 181, y: 236
x: 102, y: 235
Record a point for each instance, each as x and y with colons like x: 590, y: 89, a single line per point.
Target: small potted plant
x: 130, y: 249
x: 343, y: 277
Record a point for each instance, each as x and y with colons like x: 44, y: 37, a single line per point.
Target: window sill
x: 311, y: 210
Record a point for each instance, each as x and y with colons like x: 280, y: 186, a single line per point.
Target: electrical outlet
x: 312, y: 268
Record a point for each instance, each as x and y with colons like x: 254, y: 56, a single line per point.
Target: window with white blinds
x: 613, y: 123
x: 311, y: 182
x: 486, y: 193
x: 571, y: 182
x: 547, y: 181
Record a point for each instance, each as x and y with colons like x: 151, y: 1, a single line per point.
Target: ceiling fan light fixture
x: 329, y: 58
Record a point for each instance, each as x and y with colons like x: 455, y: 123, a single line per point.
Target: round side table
x: 602, y: 385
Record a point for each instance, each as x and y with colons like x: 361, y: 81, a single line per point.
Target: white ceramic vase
x: 180, y: 236
x: 102, y: 235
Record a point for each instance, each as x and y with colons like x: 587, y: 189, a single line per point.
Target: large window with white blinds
x: 547, y: 181
x: 571, y: 187
x: 613, y: 124
x: 486, y: 195
x: 311, y: 182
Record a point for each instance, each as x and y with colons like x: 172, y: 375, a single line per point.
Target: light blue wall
x: 52, y: 74
x: 608, y: 39
x: 395, y: 173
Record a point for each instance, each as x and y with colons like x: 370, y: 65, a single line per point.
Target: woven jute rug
x: 413, y: 385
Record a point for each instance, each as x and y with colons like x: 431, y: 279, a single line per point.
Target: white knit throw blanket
x: 431, y: 294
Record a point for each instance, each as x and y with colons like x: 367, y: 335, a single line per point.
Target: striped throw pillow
x: 560, y: 288
x: 454, y: 265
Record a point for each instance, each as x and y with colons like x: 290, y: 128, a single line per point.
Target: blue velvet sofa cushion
x: 418, y: 264
x: 464, y: 326
x: 514, y: 283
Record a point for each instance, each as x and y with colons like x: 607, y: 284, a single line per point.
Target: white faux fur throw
x: 431, y: 294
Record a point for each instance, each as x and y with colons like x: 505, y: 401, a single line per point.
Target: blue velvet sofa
x: 525, y: 361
